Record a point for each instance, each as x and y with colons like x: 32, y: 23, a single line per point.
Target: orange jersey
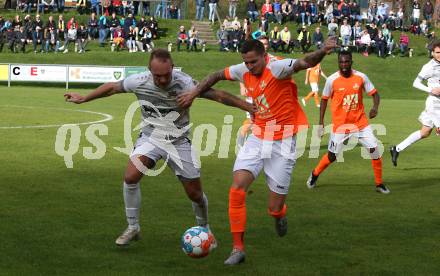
x: 346, y: 96
x: 279, y: 114
x: 314, y: 73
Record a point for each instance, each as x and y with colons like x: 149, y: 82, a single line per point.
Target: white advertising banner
x: 31, y: 72
x: 95, y: 74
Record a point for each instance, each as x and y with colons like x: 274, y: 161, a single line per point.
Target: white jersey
x: 163, y: 119
x: 431, y: 73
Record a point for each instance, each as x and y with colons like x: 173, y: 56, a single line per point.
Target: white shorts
x: 430, y: 117
x: 182, y: 158
x: 277, y: 158
x: 314, y: 87
x: 365, y: 136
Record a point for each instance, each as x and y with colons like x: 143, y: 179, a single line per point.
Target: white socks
x: 201, y: 211
x: 411, y: 139
x: 132, y: 200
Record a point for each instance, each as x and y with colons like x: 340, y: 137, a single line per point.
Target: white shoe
x: 237, y: 256
x: 382, y: 189
x: 127, y: 236
x: 303, y: 102
x: 65, y: 51
x: 318, y: 106
x: 61, y: 48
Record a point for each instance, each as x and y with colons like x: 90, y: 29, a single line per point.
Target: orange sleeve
x: 227, y: 73
x: 372, y: 92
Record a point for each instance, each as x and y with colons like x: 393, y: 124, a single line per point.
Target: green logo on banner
x: 117, y: 74
x: 134, y: 70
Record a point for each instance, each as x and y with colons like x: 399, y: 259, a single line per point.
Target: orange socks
x: 280, y: 214
x: 237, y: 216
x: 377, y: 169
x: 316, y: 99
x: 309, y: 96
x: 323, y: 164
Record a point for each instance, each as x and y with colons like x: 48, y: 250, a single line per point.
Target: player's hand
x: 320, y: 131
x: 436, y: 91
x: 330, y: 44
x: 185, y: 100
x: 254, y: 109
x: 74, y: 98
x: 373, y: 113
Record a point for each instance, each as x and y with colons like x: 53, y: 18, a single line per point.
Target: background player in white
x: 430, y: 117
x: 157, y: 90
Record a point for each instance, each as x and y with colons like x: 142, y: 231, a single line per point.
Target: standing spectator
x: 390, y: 44
x: 416, y: 12
x: 233, y: 8
x: 252, y: 10
x: 267, y: 11
x: 92, y: 25
x: 403, y: 43
x: 182, y: 37
x: 286, y: 40
x: 95, y: 7
x: 286, y: 10
x: 103, y: 29
x: 264, y: 24
x: 381, y: 44
x: 356, y: 33
x: 345, y: 33
x: 82, y: 38
x: 212, y: 10
x: 318, y: 38
x: 52, y: 41
x: 275, y: 39
x: 332, y: 28
x: 428, y: 11
x: 161, y: 6
x: 71, y: 37
x: 328, y: 16
x: 400, y: 19
x: 247, y: 28
x: 200, y: 8
x: 153, y: 26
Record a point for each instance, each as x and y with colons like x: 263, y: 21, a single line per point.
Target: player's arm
x: 418, y: 83
x: 323, y: 75
x: 105, y: 90
x: 322, y: 109
x: 185, y: 100
x: 228, y: 99
x: 307, y: 77
x: 375, y: 109
x: 315, y: 57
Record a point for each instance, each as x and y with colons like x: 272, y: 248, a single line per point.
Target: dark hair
x: 253, y: 45
x: 436, y: 44
x: 345, y: 53
x: 161, y: 54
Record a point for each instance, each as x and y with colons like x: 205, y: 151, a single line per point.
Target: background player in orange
x: 272, y: 145
x: 345, y: 88
x: 312, y: 77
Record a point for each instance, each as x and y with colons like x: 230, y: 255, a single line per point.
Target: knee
x: 132, y: 177
x: 195, y: 195
x: 331, y: 157
x: 425, y: 133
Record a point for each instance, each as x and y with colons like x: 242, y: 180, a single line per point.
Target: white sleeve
x: 282, y: 69
x: 236, y: 72
x: 368, y: 85
x: 328, y: 88
x: 423, y: 75
x: 419, y: 85
x: 131, y: 83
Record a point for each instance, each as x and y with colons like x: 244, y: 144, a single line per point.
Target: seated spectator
x: 304, y: 13
x: 193, y: 38
x: 318, y: 38
x: 223, y: 38
x: 267, y: 11
x: 146, y: 38
x: 71, y: 37
x: 236, y: 37
x: 130, y: 39
x: 92, y: 26
x: 130, y: 21
x: 304, y: 39
x: 264, y: 24
x: 286, y: 11
x: 365, y: 43
x: 51, y: 24
x: 72, y: 22
x: 82, y: 38
x: 424, y: 28
x: 95, y: 7
x: 275, y: 39
x: 356, y: 32
x: 332, y: 27
x: 52, y: 41
x: 235, y: 22
x: 153, y: 26
x: 127, y: 7
x: 118, y: 39
x: 173, y: 11
x: 252, y: 10
x: 113, y: 24
x: 227, y: 24
x: 258, y: 33
x: 46, y: 4
x: 2, y: 40
x: 81, y: 6
x: 286, y: 40
x: 17, y: 39
x: 182, y: 37
x: 29, y: 4
x: 390, y: 43
x: 345, y: 33
x: 61, y: 27
x: 38, y: 38
x: 403, y: 44
x: 277, y: 13
x: 117, y: 6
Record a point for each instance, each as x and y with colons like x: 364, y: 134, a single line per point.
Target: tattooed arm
x: 185, y: 100
x: 228, y: 99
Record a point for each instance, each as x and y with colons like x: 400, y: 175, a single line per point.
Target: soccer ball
x: 197, y: 242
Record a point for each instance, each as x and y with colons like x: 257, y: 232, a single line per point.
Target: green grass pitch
x: 55, y: 220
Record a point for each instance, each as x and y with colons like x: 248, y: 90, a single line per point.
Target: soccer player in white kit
x: 164, y: 134
x: 430, y: 117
